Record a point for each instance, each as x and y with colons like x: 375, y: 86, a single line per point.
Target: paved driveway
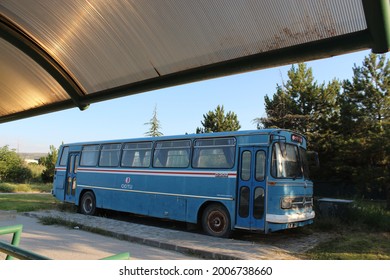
x: 62, y: 243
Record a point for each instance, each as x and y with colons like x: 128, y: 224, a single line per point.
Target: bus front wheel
x: 88, y: 204
x: 216, y: 221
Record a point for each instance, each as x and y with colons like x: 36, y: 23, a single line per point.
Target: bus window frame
x: 200, y: 147
x: 172, y: 148
x: 97, y: 157
x: 102, y: 152
x: 124, y: 150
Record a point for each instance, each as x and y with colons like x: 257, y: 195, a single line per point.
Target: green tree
x: 365, y: 126
x: 302, y: 105
x: 49, y: 163
x: 12, y: 167
x: 218, y: 121
x: 348, y: 124
x: 293, y: 103
x: 279, y: 111
x: 154, y: 124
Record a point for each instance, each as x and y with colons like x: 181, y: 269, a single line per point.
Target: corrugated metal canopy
x: 60, y: 54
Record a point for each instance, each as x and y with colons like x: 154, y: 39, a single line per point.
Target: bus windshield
x: 288, y: 161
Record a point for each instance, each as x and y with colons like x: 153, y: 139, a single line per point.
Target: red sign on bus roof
x: 297, y: 138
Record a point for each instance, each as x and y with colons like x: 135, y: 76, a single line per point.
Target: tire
x: 216, y: 221
x: 88, y: 204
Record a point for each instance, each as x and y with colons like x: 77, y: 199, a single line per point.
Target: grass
x: 361, y: 233
x: 17, y: 188
x: 29, y: 197
x: 27, y: 202
x: 354, y: 246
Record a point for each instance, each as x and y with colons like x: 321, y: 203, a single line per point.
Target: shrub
x: 12, y: 167
x: 36, y: 172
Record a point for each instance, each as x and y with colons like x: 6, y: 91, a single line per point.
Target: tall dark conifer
x: 365, y: 126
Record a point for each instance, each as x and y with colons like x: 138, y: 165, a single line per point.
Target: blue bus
x: 253, y: 180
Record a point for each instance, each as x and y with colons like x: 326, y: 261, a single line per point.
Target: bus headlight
x: 286, y: 202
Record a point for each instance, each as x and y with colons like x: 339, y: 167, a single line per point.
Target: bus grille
x: 301, y: 202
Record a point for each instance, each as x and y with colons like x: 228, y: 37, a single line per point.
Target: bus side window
x: 136, y: 154
x: 109, y: 155
x: 214, y: 153
x: 136, y: 158
x: 211, y: 158
x: 89, y: 155
x: 173, y: 154
x: 178, y: 158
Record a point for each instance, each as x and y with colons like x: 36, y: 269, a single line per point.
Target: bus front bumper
x: 290, y: 218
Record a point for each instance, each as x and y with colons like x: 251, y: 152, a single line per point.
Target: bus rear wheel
x: 216, y: 221
x: 88, y: 204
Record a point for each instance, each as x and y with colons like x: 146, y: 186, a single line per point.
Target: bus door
x: 251, y: 188
x: 71, y: 178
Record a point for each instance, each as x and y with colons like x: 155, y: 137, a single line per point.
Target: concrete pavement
x: 188, y: 244
x: 63, y: 243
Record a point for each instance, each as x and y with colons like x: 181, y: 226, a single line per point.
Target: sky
x: 180, y: 109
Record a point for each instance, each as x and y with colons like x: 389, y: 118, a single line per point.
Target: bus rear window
x: 89, y: 155
x: 64, y: 156
x: 285, y: 161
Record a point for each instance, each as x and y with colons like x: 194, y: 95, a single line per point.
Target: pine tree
x: 217, y: 121
x: 155, y: 126
x: 348, y: 124
x: 279, y: 111
x: 365, y: 126
x: 300, y: 104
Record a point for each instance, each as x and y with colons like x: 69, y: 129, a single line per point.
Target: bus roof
x: 274, y: 131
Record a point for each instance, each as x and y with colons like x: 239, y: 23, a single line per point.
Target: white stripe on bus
x: 159, y: 193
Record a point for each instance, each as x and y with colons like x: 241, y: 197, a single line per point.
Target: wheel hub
x: 216, y: 222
